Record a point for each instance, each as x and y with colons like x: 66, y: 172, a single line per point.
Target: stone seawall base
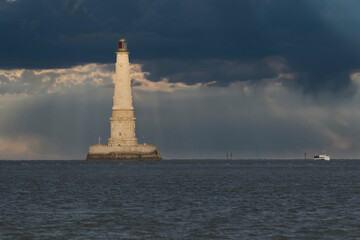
x: 123, y: 153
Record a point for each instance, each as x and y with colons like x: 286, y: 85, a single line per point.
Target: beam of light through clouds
x: 69, y: 108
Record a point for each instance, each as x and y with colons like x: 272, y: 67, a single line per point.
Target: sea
x: 180, y: 199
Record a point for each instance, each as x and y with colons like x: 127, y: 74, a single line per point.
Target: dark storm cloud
x: 195, y: 34
x: 220, y: 71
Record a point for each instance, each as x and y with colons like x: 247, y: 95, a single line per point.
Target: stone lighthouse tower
x: 122, y: 144
x: 122, y: 120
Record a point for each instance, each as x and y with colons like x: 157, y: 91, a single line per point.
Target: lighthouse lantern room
x: 122, y: 45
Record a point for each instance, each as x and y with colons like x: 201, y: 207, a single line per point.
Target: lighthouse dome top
x: 122, y: 45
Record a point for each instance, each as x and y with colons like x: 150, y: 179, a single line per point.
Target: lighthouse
x: 122, y: 144
x: 122, y: 121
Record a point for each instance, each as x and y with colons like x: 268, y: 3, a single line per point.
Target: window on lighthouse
x: 122, y: 44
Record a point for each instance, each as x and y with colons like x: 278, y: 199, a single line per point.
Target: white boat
x: 322, y: 157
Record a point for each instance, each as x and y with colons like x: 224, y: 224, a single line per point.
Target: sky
x: 258, y: 78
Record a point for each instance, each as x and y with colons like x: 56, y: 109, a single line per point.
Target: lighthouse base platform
x: 123, y: 153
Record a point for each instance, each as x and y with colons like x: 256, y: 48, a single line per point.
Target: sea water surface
x: 180, y: 199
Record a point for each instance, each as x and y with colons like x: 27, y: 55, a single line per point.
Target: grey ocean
x: 188, y: 199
